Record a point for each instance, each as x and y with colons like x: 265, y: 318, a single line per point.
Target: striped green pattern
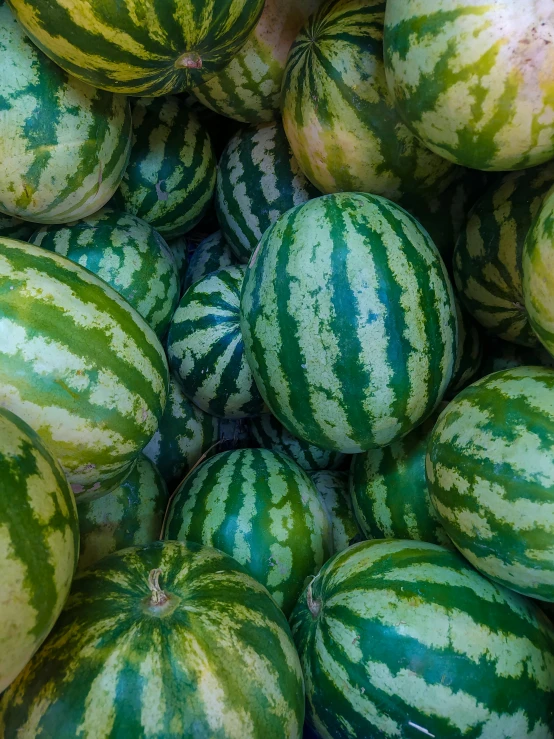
x: 470, y: 79
x: 179, y: 248
x: 491, y: 477
x: 206, y: 350
x: 338, y: 114
x: 63, y: 145
x: 469, y: 355
x: 127, y: 254
x: 401, y: 639
x: 15, y: 228
x: 39, y: 541
x: 351, y: 341
x: 146, y: 48
x: 130, y: 515
x: 78, y: 364
x: 263, y: 510
x: 258, y: 179
x: 488, y: 256
x: 333, y: 490
x: 211, y: 254
x: 169, y: 640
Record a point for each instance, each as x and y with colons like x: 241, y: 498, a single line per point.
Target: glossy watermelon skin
x: 469, y: 355
x: 39, y: 540
x: 333, y: 490
x: 355, y: 378
x: 119, y: 664
x: 147, y: 49
x: 262, y: 509
x: 490, y: 476
x: 57, y: 321
x: 211, y: 254
x: 404, y: 639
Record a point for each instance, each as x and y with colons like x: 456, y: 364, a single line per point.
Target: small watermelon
x: 211, y: 254
x: 333, y: 490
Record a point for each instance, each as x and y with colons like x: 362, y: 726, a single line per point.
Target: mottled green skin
x: 118, y: 665
x: 39, y: 541
x: 500, y: 355
x: 352, y: 340
x: 488, y: 267
x: 402, y: 639
x: 146, y: 48
x: 258, y: 179
x: 263, y: 510
x: 126, y: 253
x: 469, y: 355
x: 15, y: 228
x: 333, y: 489
x: 491, y: 477
x: 171, y: 175
x: 211, y: 254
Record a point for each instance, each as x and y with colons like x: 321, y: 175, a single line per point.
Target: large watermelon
x: 337, y: 111
x: 39, y: 541
x: 349, y: 322
x: 333, y: 490
x: 78, y: 364
x: 145, y: 48
x: 471, y: 78
x: 263, y: 510
x: 169, y: 640
x: 402, y: 639
x: 211, y: 254
x: 63, y: 145
x: 491, y: 477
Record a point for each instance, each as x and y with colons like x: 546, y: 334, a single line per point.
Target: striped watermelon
x: 130, y: 515
x: 211, y: 254
x: 352, y: 340
x: 404, y: 639
x: 248, y: 89
x: 263, y: 510
x: 63, y: 145
x: 258, y: 179
x: 15, y: 228
x: 168, y: 640
x: 337, y: 112
x: 180, y: 248
x: 206, y: 350
x: 39, y: 541
x: 491, y: 477
x: 140, y: 49
x: 78, y: 364
x: 127, y: 254
x: 469, y: 355
x: 333, y: 490
x: 488, y: 256
x: 185, y: 433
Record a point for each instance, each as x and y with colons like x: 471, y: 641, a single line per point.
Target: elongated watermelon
x: 78, y: 364
x: 349, y: 322
x: 333, y: 490
x: 211, y: 254
x: 171, y: 640
x: 469, y: 355
x: 404, y: 639
x: 263, y: 510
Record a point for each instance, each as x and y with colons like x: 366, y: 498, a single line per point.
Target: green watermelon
x: 469, y: 355
x: 333, y: 490
x: 349, y: 322
x: 206, y: 350
x: 130, y: 515
x: 78, y: 364
x: 39, y: 541
x: 15, y: 228
x: 263, y: 510
x: 258, y: 179
x: 144, y: 48
x: 234, y: 434
x: 127, y: 254
x: 402, y: 639
x: 211, y: 254
x: 488, y: 256
x: 338, y: 114
x: 168, y: 640
x: 180, y: 248
x: 491, y: 477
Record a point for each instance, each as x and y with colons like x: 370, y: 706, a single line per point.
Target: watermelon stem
x: 189, y: 60
x: 158, y: 595
x: 314, y: 604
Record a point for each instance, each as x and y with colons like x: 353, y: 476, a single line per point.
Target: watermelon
x: 130, y: 515
x: 470, y: 353
x: 206, y: 350
x: 170, y: 179
x: 39, y: 541
x: 219, y: 128
x: 338, y: 114
x: 333, y: 490
x: 180, y: 248
x: 15, y: 228
x: 263, y: 510
x: 349, y: 322
x: 488, y: 256
x: 258, y: 179
x: 248, y: 89
x: 500, y: 355
x: 127, y: 254
x: 78, y: 364
x: 491, y: 477
x: 404, y: 639
x: 234, y: 433
x: 167, y: 640
x: 63, y: 145
x: 147, y: 49
x: 211, y: 254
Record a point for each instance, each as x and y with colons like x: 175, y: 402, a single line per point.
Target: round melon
x: 469, y: 355
x: 333, y: 490
x: 211, y: 254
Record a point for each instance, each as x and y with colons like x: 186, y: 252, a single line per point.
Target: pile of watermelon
x: 277, y: 369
